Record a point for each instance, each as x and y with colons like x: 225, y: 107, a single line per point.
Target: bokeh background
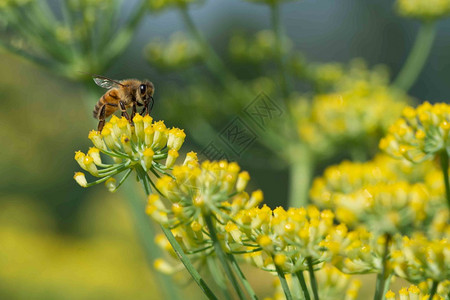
x: 59, y: 241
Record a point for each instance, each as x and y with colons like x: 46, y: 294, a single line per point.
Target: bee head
x: 145, y: 91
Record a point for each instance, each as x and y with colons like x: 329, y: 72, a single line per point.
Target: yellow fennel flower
x: 194, y: 190
x: 290, y: 239
x: 419, y: 258
x: 145, y: 146
x: 421, y: 133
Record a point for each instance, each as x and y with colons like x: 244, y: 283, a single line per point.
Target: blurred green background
x: 59, y: 241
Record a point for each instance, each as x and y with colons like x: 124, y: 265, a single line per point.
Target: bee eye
x: 142, y: 88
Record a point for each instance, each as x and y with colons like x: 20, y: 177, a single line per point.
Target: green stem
x: 127, y: 173
x: 123, y: 38
x: 242, y: 277
x: 283, y: 281
x: 212, y: 60
x: 222, y: 257
x: 277, y: 28
x: 444, y: 166
x: 187, y: 263
x: 300, y: 173
x: 387, y: 284
x: 146, y: 232
x: 301, y: 280
x: 217, y: 275
x: 312, y: 279
x: 433, y: 289
x: 178, y: 250
x: 382, y: 277
x: 417, y: 57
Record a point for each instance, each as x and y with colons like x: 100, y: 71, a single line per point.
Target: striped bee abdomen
x: 110, y: 99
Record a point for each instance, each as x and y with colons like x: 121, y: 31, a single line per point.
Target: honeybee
x: 121, y: 95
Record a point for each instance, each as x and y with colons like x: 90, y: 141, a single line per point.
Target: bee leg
x: 123, y: 109
x: 101, y: 117
x: 133, y: 113
x: 144, y: 109
x: 153, y: 102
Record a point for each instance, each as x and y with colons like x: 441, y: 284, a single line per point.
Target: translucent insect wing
x: 105, y: 82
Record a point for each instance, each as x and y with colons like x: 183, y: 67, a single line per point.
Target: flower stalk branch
x: 444, y: 165
x: 417, y: 57
x: 212, y: 60
x: 222, y: 257
x: 301, y: 280
x: 312, y: 278
x: 383, y: 277
x: 283, y: 281
x: 179, y: 251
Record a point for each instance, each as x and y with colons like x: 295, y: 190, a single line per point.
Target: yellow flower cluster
x: 421, y: 133
x: 178, y: 52
x: 339, y: 117
x: 290, y: 239
x: 355, y: 252
x: 384, y: 194
x: 413, y: 292
x: 359, y: 107
x: 424, y: 9
x: 145, y: 145
x: 262, y: 47
x: 397, y: 207
x: 348, y: 177
x: 333, y: 285
x: 196, y: 190
x: 439, y: 227
x: 326, y: 75
x: 419, y: 258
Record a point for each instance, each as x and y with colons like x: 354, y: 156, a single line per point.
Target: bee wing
x: 105, y: 82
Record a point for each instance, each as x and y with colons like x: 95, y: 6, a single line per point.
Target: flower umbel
x: 419, y: 258
x: 288, y: 239
x: 195, y: 190
x: 420, y: 134
x: 145, y: 146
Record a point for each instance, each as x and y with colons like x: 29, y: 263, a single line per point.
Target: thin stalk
x: 31, y: 57
x: 145, y: 231
x: 433, y: 289
x: 301, y: 280
x: 212, y: 60
x: 178, y: 250
x: 143, y: 178
x: 381, y: 277
x: 123, y: 179
x: 277, y: 28
x: 187, y: 263
x: 312, y: 279
x: 300, y: 173
x: 417, y: 57
x: 222, y: 257
x: 284, y: 284
x: 444, y: 166
x: 217, y: 275
x: 241, y: 276
x: 387, y: 285
x: 123, y: 38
